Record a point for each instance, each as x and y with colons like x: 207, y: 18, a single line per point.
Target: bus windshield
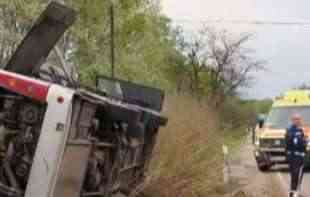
x: 279, y: 117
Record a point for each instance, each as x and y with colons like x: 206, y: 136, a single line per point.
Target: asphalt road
x: 248, y: 178
x: 283, y: 178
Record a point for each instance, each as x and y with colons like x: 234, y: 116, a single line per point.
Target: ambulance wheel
x: 263, y: 161
x: 264, y: 168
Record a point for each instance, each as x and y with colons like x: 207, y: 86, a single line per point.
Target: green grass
x: 235, y: 138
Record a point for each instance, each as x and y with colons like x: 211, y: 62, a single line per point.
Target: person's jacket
x: 295, y: 140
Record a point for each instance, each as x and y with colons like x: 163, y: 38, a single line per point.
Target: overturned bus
x: 59, y: 139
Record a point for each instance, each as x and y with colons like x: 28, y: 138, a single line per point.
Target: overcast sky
x: 285, y: 48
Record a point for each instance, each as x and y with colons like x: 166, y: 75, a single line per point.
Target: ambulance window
x: 279, y: 118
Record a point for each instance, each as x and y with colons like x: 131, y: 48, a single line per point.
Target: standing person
x: 296, y: 151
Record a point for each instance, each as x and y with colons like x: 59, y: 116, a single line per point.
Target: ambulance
x: 269, y: 135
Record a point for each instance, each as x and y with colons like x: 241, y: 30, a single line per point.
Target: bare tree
x: 303, y: 86
x: 191, y: 67
x: 231, y: 64
x: 223, y: 60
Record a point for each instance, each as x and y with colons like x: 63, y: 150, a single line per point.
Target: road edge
x: 283, y: 184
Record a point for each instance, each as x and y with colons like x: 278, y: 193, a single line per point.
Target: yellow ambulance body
x: 270, y: 136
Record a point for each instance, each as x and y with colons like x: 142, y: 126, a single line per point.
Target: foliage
x: 10, y: 28
x: 148, y: 50
x: 188, y: 157
x: 236, y: 113
x: 303, y: 86
x: 143, y: 41
x: 217, y: 63
x: 261, y: 106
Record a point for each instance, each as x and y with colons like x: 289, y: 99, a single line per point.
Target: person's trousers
x: 296, y: 167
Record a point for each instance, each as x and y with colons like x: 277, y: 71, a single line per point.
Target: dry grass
x: 188, y: 158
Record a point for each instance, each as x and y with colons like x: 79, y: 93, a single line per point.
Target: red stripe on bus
x: 24, y: 86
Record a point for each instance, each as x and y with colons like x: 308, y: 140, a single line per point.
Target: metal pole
x: 112, y: 44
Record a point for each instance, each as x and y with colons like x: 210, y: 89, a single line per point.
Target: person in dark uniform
x: 296, y: 151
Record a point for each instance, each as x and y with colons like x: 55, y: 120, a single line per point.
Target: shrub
x: 188, y: 158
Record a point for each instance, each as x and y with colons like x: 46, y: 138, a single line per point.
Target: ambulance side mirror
x: 261, y: 124
x: 261, y: 120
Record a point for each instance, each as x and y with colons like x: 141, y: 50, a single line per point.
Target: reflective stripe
x: 302, y: 154
x: 300, y: 177
x: 299, y: 154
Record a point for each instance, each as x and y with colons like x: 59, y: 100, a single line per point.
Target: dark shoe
x: 292, y: 194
